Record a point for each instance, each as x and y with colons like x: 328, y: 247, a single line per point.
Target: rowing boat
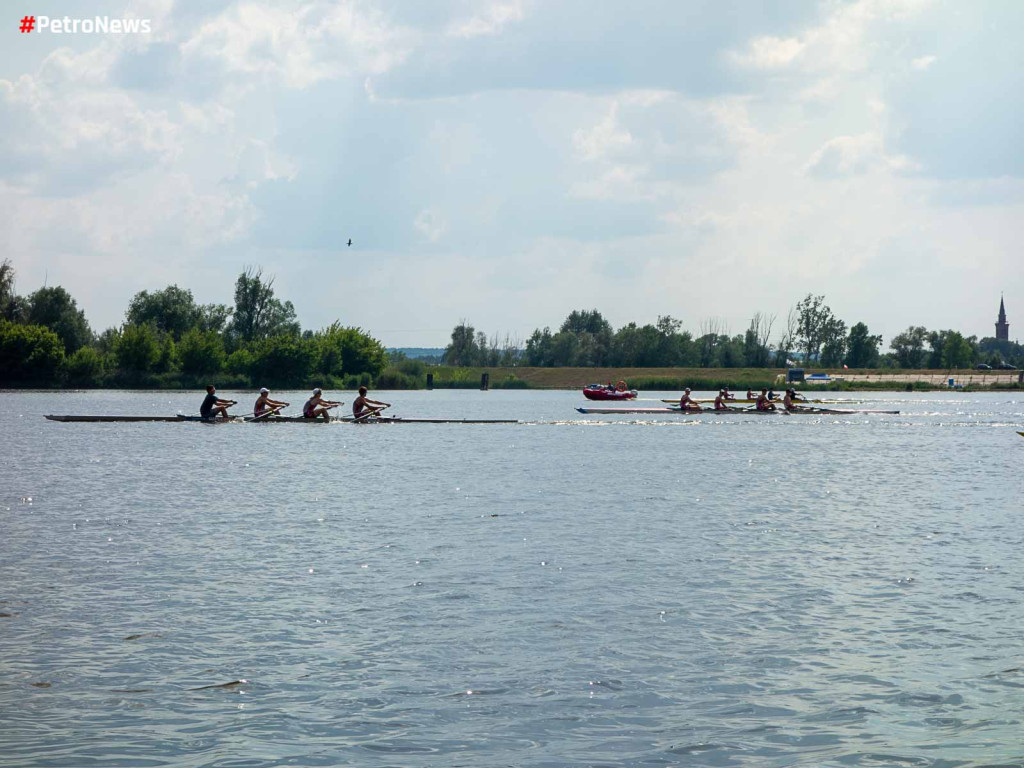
x: 181, y: 418
x: 747, y: 401
x: 725, y: 411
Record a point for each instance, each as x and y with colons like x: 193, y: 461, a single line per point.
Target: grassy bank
x: 411, y: 374
x: 675, y: 379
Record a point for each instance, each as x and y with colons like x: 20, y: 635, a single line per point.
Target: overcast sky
x: 507, y: 162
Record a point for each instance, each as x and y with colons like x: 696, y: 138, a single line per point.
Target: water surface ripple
x: 575, y: 590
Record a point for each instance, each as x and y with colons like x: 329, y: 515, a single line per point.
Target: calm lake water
x: 573, y: 590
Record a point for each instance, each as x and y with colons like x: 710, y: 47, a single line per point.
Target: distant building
x: 1002, y: 327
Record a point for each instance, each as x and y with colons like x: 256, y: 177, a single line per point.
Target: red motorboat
x: 608, y: 392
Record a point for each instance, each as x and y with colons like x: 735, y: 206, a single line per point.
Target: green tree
x: 85, y: 367
x: 952, y: 349
x: 54, y: 308
x: 345, y: 351
x: 908, y: 347
x: 462, y: 350
x: 814, y: 324
x: 137, y: 349
x: 172, y: 310
x: 593, y: 339
x: 258, y: 314
x: 213, y: 317
x: 756, y: 352
x: 862, y: 347
x: 284, y: 360
x: 8, y: 299
x: 201, y: 352
x: 833, y: 343
x: 29, y: 354
x: 539, y: 349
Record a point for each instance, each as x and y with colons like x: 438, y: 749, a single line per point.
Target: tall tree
x: 908, y: 347
x: 833, y: 343
x: 788, y: 341
x: 538, y: 349
x: 592, y: 341
x: 258, y: 314
x: 815, y: 323
x: 29, y: 354
x: 756, y: 351
x: 463, y: 349
x: 8, y: 300
x: 171, y: 310
x: 55, y: 309
x: 862, y: 347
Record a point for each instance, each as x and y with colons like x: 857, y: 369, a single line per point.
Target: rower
x: 750, y: 394
x: 364, y: 406
x: 265, y: 405
x: 687, y: 403
x: 720, y: 401
x: 727, y: 395
x: 790, y: 401
x: 213, y: 405
x: 763, y: 403
x: 316, y: 407
x: 771, y: 394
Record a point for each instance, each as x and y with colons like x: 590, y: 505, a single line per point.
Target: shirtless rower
x: 213, y: 405
x: 790, y: 400
x: 727, y: 395
x: 687, y: 403
x: 750, y: 394
x: 364, y: 406
x: 316, y: 407
x: 763, y: 403
x: 265, y: 405
x: 720, y: 401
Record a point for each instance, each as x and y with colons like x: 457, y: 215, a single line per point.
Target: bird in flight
x: 350, y: 241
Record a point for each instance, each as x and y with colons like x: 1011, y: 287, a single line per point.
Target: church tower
x: 1002, y: 327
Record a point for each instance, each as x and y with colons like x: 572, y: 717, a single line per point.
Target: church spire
x: 1002, y: 327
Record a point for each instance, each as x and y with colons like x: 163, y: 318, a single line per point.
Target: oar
x: 265, y: 414
x: 369, y: 413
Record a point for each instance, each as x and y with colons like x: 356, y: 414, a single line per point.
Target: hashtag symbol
x: 28, y: 24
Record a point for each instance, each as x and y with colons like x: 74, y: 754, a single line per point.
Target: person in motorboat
x: 265, y: 405
x: 213, y: 406
x: 363, y: 406
x: 316, y: 407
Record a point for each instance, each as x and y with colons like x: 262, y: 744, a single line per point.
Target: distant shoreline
x: 656, y: 379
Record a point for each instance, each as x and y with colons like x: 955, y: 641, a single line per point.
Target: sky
x: 503, y: 163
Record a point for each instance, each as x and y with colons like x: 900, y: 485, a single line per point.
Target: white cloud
x: 848, y: 155
x: 490, y: 22
x: 431, y: 224
x: 299, y: 44
x: 602, y: 140
x: 770, y: 52
x: 922, y: 63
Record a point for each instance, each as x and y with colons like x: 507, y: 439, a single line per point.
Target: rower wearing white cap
x: 687, y: 403
x: 264, y: 405
x: 316, y: 407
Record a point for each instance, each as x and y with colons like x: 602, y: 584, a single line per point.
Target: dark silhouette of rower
x: 350, y: 241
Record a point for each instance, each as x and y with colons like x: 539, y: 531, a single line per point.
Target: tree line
x: 810, y: 335
x: 167, y: 339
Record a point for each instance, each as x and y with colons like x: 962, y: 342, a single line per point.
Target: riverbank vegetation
x: 168, y: 341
